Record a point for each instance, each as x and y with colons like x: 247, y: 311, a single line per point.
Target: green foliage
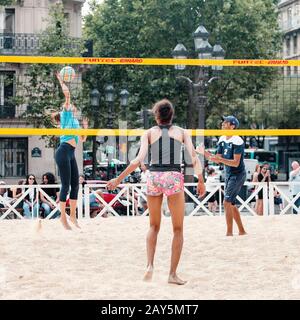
x: 246, y: 29
x: 277, y: 107
x: 6, y: 2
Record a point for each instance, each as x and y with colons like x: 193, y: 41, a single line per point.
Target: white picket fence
x: 128, y: 196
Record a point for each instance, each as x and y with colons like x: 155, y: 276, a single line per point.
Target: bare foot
x: 229, y: 234
x: 148, y: 275
x: 65, y: 223
x: 75, y: 222
x: 174, y: 279
x: 242, y: 233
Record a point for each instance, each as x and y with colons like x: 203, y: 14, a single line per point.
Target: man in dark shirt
x: 230, y: 152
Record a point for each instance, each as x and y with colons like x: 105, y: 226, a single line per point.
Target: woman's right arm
x: 66, y: 92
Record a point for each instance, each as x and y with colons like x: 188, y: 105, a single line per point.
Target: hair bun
x: 164, y: 111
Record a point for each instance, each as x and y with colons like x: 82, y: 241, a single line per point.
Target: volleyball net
x: 116, y: 95
x: 262, y: 94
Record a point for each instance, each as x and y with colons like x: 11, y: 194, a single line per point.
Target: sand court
x: 106, y: 259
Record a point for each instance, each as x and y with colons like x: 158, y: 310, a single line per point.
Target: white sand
x: 107, y: 258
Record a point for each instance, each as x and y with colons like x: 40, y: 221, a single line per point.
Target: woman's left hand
x: 201, y: 190
x: 112, y: 184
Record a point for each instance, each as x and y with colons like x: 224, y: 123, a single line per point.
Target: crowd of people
x: 262, y: 173
x: 35, y: 203
x: 41, y: 204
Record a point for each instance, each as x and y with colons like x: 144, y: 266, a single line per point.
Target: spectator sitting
x: 278, y: 200
x: 17, y: 193
x: 211, y: 179
x: 5, y: 196
x: 264, y: 176
x: 30, y: 204
x: 53, y: 193
x: 255, y: 179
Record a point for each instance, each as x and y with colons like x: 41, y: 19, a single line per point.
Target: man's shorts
x: 167, y: 183
x: 233, y: 186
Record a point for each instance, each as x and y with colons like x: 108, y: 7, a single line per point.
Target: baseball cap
x: 232, y: 120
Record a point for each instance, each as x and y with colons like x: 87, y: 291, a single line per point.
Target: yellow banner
x: 150, y: 61
x: 139, y: 132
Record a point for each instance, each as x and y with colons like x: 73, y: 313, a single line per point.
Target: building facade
x: 20, y: 26
x: 289, y: 22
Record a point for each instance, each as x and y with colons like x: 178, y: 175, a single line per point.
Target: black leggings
x: 68, y: 170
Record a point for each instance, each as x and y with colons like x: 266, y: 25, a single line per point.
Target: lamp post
x: 109, y: 98
x: 197, y: 89
x: 124, y: 95
x: 95, y: 102
x: 123, y: 141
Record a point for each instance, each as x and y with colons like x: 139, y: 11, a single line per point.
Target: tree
x: 276, y: 107
x: 247, y: 29
x: 6, y: 2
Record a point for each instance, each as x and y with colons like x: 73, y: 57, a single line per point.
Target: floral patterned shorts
x: 168, y: 183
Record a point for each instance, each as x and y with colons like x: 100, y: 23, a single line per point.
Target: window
x: 9, y: 22
x: 7, y: 110
x: 290, y: 18
x: 288, y: 44
x: 13, y: 157
x: 67, y: 17
x: 295, y: 42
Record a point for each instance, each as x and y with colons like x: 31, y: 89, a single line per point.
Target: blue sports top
x: 228, y: 148
x: 68, y: 121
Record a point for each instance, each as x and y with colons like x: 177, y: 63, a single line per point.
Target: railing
x: 284, y: 190
x: 128, y: 196
x: 26, y: 43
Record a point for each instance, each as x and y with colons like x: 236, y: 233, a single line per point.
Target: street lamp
x: 202, y: 46
x: 124, y: 95
x: 180, y: 52
x: 95, y: 103
x: 109, y: 97
x: 95, y: 98
x: 218, y: 54
x: 198, y: 87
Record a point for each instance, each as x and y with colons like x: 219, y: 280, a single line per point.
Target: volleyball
x: 67, y: 74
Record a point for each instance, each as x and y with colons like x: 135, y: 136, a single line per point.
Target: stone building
x: 20, y: 26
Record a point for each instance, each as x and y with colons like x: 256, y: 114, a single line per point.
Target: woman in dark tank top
x: 164, y: 178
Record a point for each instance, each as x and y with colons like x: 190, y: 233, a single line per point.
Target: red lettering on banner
x: 278, y: 62
x: 131, y: 60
